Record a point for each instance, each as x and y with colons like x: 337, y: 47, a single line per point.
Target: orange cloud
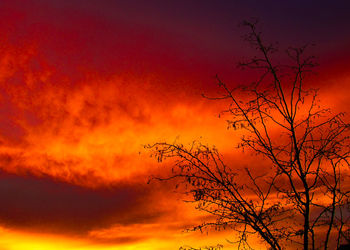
x: 79, y: 97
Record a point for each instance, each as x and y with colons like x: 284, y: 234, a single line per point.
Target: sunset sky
x: 84, y: 84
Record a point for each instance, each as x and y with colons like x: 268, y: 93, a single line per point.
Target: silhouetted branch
x: 304, y: 198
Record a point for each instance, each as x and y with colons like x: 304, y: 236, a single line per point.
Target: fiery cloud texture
x: 84, y: 84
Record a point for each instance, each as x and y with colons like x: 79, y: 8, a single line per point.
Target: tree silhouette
x: 303, y: 197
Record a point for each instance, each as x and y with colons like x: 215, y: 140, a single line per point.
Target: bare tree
x: 303, y: 197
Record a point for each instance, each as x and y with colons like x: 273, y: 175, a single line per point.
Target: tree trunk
x: 306, y: 222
